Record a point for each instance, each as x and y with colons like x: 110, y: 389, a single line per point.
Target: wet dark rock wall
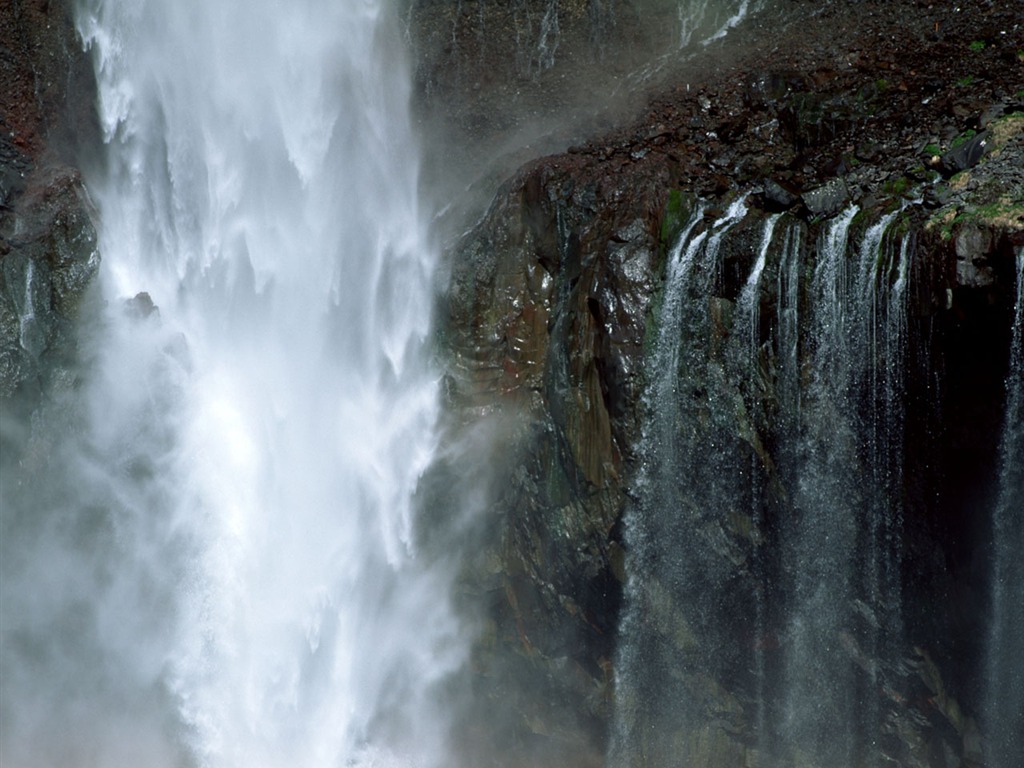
x: 550, y: 312
x: 548, y: 320
x: 547, y: 345
x: 48, y: 251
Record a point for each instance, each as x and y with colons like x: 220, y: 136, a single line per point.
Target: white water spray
x: 249, y: 583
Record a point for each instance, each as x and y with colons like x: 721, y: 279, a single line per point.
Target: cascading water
x: 763, y: 576
x: 842, y: 538
x: 747, y: 323
x: 224, y: 571
x: 710, y: 20
x: 211, y: 556
x: 1005, y: 699
x: 677, y: 590
x: 697, y: 23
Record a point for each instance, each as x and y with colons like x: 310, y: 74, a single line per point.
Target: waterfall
x: 747, y: 323
x: 222, y: 566
x: 763, y: 575
x: 842, y: 536
x: 29, y: 335
x: 1005, y: 700
x: 681, y: 552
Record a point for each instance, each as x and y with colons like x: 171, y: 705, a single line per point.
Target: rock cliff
x: 908, y: 118
x: 48, y: 253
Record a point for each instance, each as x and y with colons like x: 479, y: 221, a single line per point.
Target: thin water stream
x: 1005, y: 684
x: 763, y: 574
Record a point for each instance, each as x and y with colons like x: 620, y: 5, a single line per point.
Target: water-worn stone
x: 826, y: 199
x: 967, y: 154
x: 777, y: 198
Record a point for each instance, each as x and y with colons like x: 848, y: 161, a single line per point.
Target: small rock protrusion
x: 972, y: 265
x: 826, y: 199
x: 777, y: 197
x: 141, y: 306
x: 966, y: 155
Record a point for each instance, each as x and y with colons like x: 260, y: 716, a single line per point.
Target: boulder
x: 966, y: 154
x: 826, y: 199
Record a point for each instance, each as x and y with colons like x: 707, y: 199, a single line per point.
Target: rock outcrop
x: 48, y: 253
x: 914, y: 118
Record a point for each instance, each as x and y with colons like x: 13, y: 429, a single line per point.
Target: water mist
x: 218, y: 565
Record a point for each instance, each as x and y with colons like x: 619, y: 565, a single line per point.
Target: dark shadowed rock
x: 777, y: 198
x: 48, y: 254
x: 973, y: 269
x: 827, y: 199
x: 967, y: 154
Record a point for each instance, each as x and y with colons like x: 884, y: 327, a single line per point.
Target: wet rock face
x: 546, y: 316
x: 546, y: 320
x: 49, y: 258
x: 497, y: 84
x: 47, y: 87
x: 550, y: 307
x: 497, y: 67
x: 48, y: 253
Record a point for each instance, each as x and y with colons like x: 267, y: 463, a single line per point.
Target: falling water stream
x: 716, y: 512
x: 843, y: 536
x: 1005, y: 696
x: 680, y: 557
x: 214, y: 560
x: 227, y: 573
